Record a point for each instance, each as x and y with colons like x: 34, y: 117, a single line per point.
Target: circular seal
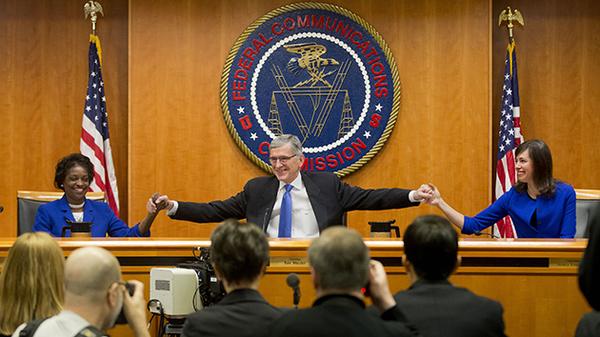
x: 317, y: 71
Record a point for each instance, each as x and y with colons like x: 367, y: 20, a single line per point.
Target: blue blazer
x: 51, y: 218
x: 555, y: 214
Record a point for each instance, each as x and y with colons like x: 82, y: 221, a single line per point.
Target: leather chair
x: 28, y: 203
x: 588, y: 211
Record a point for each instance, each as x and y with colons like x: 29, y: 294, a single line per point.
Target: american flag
x: 95, y: 142
x: 509, y: 137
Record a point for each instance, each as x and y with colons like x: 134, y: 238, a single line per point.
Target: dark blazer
x: 329, y: 196
x: 343, y: 316
x: 242, y: 312
x: 440, y: 309
x: 51, y: 218
x: 589, y: 325
x: 589, y: 269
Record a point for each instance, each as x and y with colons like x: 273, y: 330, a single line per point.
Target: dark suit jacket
x: 340, y: 315
x: 50, y: 218
x: 329, y: 196
x: 589, y: 325
x: 589, y: 269
x: 242, y: 312
x: 440, y: 309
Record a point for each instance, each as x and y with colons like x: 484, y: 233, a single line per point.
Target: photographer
x: 240, y: 254
x: 94, y: 297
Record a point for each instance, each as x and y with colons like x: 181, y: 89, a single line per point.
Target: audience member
x: 340, y: 268
x: 31, y: 282
x: 94, y: 297
x: 432, y: 303
x: 240, y: 254
x: 589, y: 281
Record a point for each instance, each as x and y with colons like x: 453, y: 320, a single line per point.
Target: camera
x: 177, y: 292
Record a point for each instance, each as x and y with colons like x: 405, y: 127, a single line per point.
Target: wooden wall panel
x: 179, y: 144
x: 559, y: 79
x: 43, y: 80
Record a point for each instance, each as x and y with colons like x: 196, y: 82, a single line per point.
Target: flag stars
x: 103, y: 99
x: 240, y: 110
x: 506, y: 76
x: 378, y: 107
x: 87, y: 97
x: 367, y: 134
x: 501, y: 148
x: 253, y: 135
x: 93, y: 74
x: 509, y: 92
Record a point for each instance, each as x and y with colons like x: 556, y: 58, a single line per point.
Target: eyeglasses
x: 282, y: 159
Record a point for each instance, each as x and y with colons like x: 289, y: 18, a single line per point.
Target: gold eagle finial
x: 509, y: 16
x: 90, y: 9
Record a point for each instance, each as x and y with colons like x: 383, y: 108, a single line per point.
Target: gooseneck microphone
x: 293, y: 281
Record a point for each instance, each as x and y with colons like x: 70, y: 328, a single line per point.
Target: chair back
x: 28, y: 203
x: 588, y: 211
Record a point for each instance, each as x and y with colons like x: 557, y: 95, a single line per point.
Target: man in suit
x: 340, y: 268
x: 589, y: 278
x: 240, y: 254
x: 433, y: 304
x: 292, y: 203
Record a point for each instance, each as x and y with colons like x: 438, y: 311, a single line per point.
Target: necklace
x: 77, y: 206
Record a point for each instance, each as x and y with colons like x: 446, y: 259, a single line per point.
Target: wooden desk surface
x: 535, y: 280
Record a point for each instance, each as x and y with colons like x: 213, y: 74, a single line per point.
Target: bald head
x: 90, y: 271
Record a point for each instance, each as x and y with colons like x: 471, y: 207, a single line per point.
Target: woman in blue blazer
x: 74, y: 173
x: 539, y: 205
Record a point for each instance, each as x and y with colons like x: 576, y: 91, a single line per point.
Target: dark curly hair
x: 68, y: 162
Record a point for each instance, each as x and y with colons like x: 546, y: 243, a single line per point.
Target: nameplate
x: 554, y: 262
x: 289, y: 261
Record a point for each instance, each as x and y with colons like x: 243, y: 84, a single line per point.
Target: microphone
x: 491, y: 235
x: 293, y: 281
x: 266, y: 219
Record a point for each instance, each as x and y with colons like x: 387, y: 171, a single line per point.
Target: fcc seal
x: 317, y: 71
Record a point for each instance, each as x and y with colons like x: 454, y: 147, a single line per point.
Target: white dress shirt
x: 304, y: 221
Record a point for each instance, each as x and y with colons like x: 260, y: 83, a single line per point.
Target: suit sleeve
x: 589, y: 269
x: 569, y: 222
x: 356, y: 198
x: 214, y: 211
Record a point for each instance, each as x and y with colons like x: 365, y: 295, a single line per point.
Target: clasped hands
x: 158, y: 202
x: 429, y: 194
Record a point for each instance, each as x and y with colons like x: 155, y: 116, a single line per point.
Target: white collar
x: 297, y: 183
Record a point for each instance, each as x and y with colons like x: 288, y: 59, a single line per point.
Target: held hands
x: 157, y: 203
x: 436, y: 197
x: 379, y: 288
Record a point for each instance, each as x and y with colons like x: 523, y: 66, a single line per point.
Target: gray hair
x: 340, y: 259
x: 284, y: 139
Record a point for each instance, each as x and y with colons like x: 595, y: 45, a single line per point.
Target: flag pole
x: 509, y: 16
x: 90, y: 9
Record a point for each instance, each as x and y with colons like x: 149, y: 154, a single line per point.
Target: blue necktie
x: 285, y: 215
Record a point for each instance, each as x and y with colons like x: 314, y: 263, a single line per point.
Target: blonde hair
x: 31, y: 282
